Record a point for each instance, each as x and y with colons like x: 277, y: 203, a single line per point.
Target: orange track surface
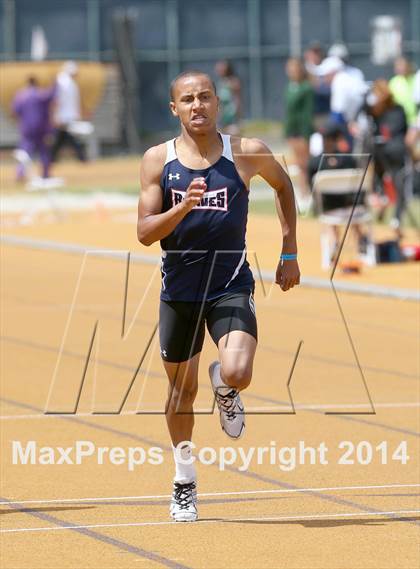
x: 358, y: 516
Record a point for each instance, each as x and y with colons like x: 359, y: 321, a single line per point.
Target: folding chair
x: 335, y: 192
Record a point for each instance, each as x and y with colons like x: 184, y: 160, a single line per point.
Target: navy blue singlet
x: 205, y: 256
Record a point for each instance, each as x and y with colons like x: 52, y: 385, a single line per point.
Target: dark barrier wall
x: 172, y: 35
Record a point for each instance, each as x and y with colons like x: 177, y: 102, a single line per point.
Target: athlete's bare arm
x: 152, y: 224
x: 259, y: 160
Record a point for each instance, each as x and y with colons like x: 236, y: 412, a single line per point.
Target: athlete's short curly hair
x: 188, y: 73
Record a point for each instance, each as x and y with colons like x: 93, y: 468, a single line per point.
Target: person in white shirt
x: 347, y: 89
x: 67, y: 111
x: 340, y: 50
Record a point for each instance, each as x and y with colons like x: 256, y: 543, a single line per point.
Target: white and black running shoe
x: 232, y: 414
x: 184, y: 502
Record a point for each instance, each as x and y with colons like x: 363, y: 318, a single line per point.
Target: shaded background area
x: 172, y: 35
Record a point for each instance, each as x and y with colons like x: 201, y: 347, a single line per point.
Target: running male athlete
x: 194, y: 200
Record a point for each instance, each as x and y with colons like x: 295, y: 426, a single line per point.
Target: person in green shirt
x: 298, y: 124
x: 402, y: 88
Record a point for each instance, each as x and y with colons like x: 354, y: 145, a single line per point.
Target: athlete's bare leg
x: 236, y: 356
x: 182, y: 390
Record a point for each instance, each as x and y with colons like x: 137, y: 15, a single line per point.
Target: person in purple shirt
x: 32, y: 107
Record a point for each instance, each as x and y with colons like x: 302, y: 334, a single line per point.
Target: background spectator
x: 340, y: 50
x: 416, y: 95
x: 402, y: 88
x: 389, y: 149
x: 347, y: 91
x: 67, y: 111
x: 313, y: 57
x: 299, y: 117
x: 332, y: 158
x: 31, y: 105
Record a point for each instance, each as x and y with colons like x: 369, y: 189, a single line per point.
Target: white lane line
x: 414, y: 404
x: 222, y: 520
x: 207, y: 494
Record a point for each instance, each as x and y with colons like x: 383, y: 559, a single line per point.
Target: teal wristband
x: 288, y: 257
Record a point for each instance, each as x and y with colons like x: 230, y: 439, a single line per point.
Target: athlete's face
x: 195, y: 103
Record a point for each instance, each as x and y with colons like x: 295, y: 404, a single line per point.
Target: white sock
x: 217, y: 379
x: 184, y: 473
